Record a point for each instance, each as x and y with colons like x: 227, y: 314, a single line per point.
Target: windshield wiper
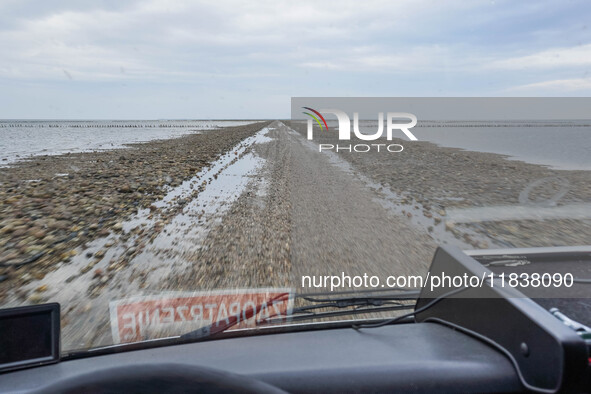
x: 357, y: 302
x: 361, y: 297
x: 368, y: 302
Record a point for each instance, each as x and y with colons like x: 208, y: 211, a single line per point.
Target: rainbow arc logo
x: 316, y: 118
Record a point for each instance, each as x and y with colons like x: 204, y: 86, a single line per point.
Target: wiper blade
x: 364, y: 300
x: 357, y: 303
x: 306, y: 315
x: 352, y: 302
x: 367, y: 302
x: 395, y: 290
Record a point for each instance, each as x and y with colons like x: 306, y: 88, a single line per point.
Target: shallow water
x: 562, y: 148
x: 25, y: 138
x: 561, y: 145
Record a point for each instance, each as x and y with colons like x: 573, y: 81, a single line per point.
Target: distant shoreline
x: 22, y: 139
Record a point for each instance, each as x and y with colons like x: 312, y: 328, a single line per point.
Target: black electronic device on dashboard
x: 29, y: 336
x: 548, y: 355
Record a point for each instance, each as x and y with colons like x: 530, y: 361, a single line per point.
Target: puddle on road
x: 182, y: 236
x: 151, y: 245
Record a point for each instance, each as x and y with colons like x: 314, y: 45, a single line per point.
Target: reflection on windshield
x: 170, y: 314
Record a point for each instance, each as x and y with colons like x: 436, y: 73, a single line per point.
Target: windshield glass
x: 180, y: 169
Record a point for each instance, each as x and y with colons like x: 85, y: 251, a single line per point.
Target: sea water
x: 20, y: 139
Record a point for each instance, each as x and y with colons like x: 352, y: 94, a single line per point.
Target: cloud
x: 155, y: 40
x: 380, y: 58
x: 188, y: 54
x: 558, y: 85
x: 578, y: 56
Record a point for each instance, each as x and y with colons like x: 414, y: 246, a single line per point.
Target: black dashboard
x: 413, y: 357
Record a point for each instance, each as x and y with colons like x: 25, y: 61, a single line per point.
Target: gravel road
x: 307, y: 214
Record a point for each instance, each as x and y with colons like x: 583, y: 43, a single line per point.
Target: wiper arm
x: 342, y: 302
x: 371, y: 303
x: 357, y: 292
x: 353, y: 301
x: 306, y: 315
x: 355, y: 305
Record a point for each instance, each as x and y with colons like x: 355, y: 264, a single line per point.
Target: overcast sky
x: 228, y: 59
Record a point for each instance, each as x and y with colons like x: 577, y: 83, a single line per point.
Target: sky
x: 161, y: 59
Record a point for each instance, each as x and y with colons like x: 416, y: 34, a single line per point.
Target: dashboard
x: 412, y: 357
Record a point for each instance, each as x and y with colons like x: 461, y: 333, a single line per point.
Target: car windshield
x: 175, y: 170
